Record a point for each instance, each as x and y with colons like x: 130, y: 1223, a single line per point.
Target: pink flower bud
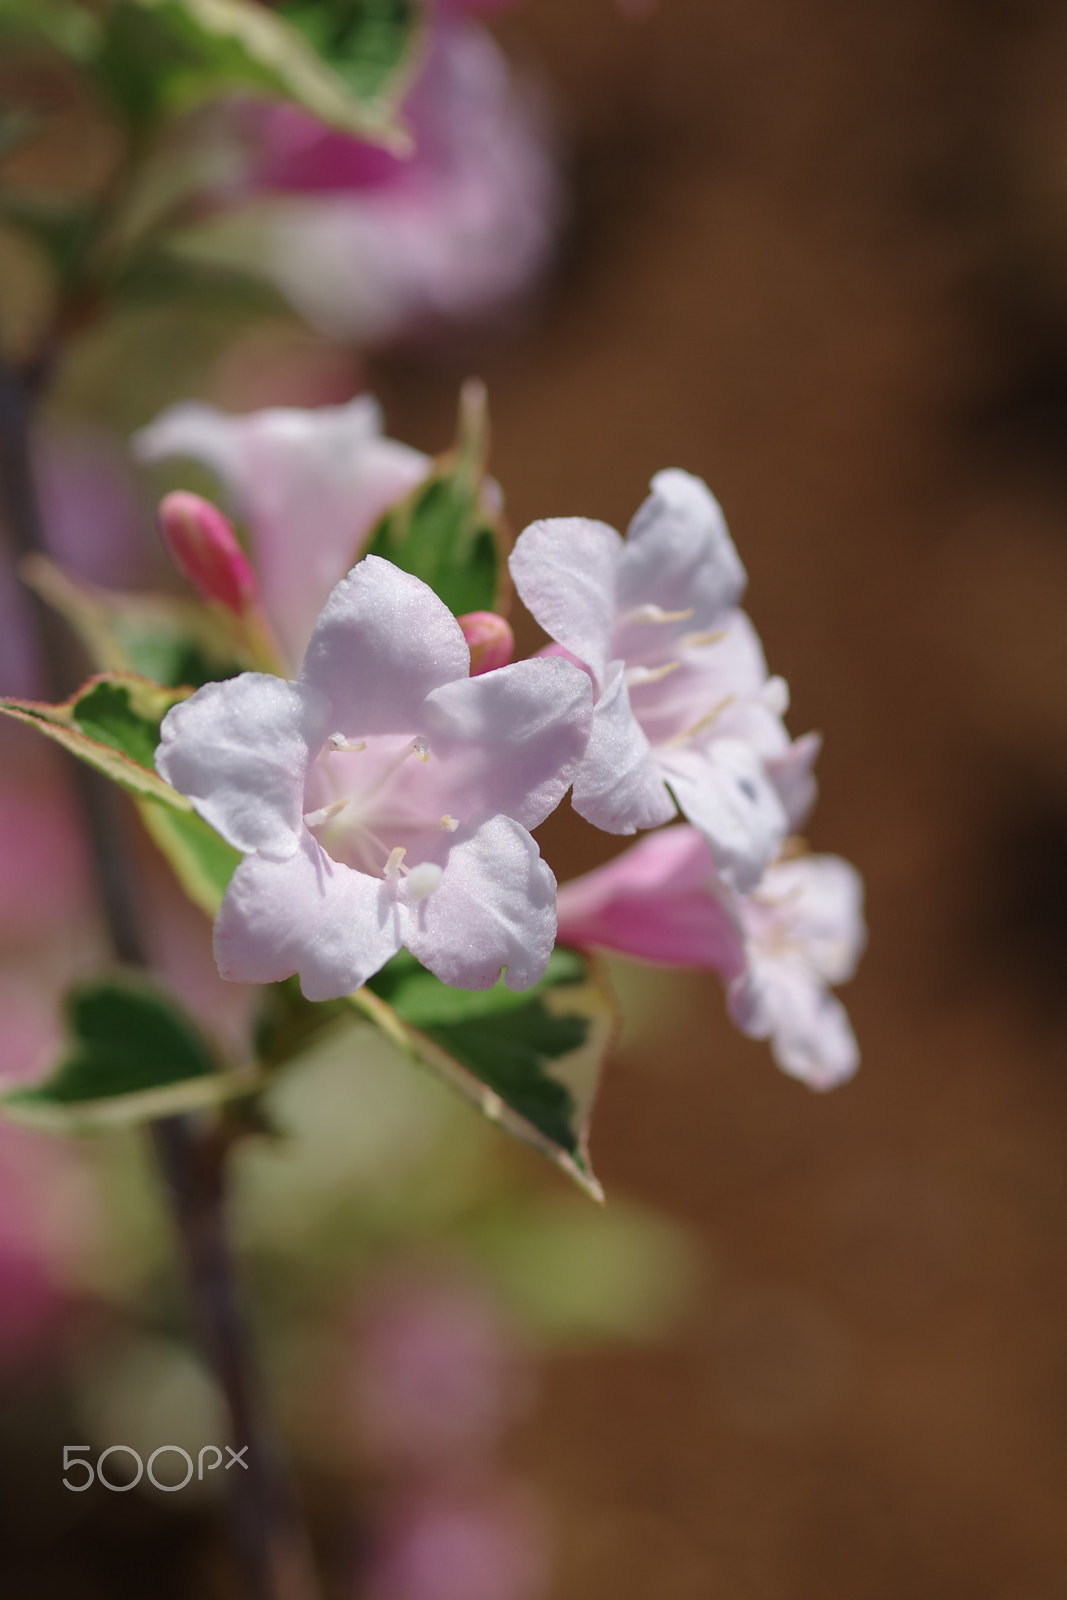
x: 205, y: 550
x: 490, y: 639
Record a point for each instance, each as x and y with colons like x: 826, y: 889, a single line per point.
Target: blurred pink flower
x: 308, y: 484
x: 43, y: 871
x: 777, y: 949
x: 48, y: 1214
x: 486, y: 1544
x: 368, y: 246
x: 438, y: 1376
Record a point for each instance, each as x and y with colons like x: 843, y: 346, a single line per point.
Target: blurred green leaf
x: 132, y: 1054
x: 168, y: 639
x: 371, y: 44
x: 447, y: 531
x: 162, y: 56
x: 112, y: 724
x: 530, y: 1062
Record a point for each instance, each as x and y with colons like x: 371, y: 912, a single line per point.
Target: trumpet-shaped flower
x: 685, y: 711
x: 778, y: 950
x: 309, y: 485
x: 384, y: 797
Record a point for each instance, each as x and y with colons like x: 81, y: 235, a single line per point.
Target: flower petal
x: 619, y: 786
x: 310, y: 915
x: 382, y: 643
x: 240, y: 751
x: 565, y: 571
x: 679, y: 555
x: 516, y: 736
x: 655, y: 902
x: 819, y: 900
x: 495, y: 907
x: 725, y: 792
x: 310, y: 484
x: 811, y: 1036
x: 793, y: 777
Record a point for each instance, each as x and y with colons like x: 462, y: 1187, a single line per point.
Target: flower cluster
x: 385, y: 795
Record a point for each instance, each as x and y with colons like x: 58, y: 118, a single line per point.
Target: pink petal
x: 820, y: 900
x: 514, y: 737
x: 240, y: 750
x: 565, y: 571
x: 384, y: 641
x: 619, y: 786
x: 495, y: 908
x: 793, y: 777
x: 654, y: 902
x: 310, y: 915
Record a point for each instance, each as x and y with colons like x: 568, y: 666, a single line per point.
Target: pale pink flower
x: 368, y: 246
x: 384, y: 797
x: 308, y: 484
x: 778, y: 949
x: 685, y: 711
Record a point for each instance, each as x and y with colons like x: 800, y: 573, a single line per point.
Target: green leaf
x: 132, y: 1054
x: 371, y: 44
x: 172, y: 641
x: 529, y: 1061
x: 446, y: 531
x: 163, y: 56
x: 112, y: 724
x: 202, y: 861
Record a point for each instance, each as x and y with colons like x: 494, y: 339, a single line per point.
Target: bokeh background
x: 817, y: 253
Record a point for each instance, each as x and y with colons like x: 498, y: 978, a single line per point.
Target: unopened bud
x: 205, y: 550
x: 490, y: 639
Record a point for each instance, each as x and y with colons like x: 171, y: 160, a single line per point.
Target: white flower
x: 384, y: 797
x: 685, y: 711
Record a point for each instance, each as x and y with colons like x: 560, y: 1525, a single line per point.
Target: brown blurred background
x: 819, y: 256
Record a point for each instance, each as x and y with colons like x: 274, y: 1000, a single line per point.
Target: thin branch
x: 267, y: 1523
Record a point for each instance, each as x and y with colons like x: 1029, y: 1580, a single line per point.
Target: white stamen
x: 395, y: 865
x: 337, y: 741
x: 450, y: 824
x: 775, y: 696
x: 697, y: 641
x: 422, y: 881
x: 315, y: 819
x: 655, y: 614
x: 639, y: 675
x: 421, y: 748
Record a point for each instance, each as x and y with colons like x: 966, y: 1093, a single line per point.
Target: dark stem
x: 267, y: 1523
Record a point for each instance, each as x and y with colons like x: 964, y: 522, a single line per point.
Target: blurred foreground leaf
x: 530, y: 1062
x: 448, y: 531
x: 132, y: 1054
x: 371, y: 44
x: 163, y: 56
x: 170, y: 640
